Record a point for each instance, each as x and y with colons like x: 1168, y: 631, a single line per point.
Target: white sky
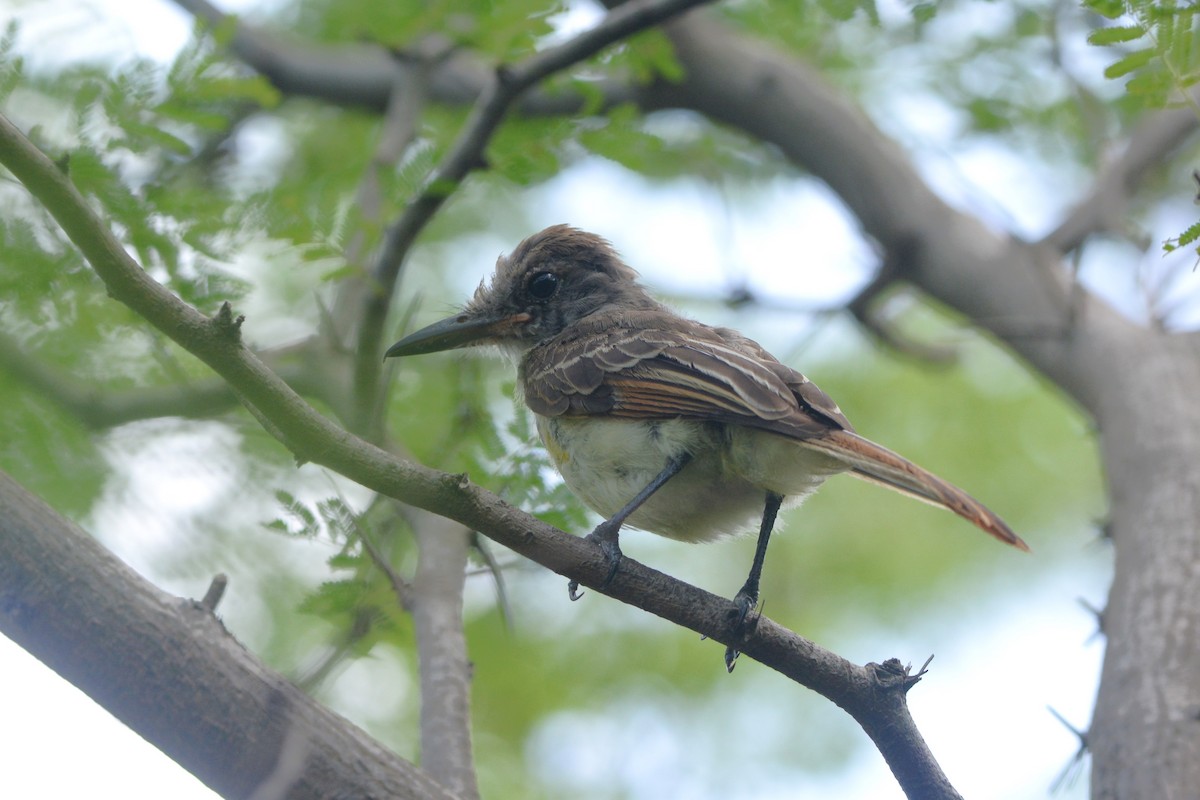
x: 47, y: 719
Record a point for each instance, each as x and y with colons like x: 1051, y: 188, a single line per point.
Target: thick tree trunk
x: 1145, y: 735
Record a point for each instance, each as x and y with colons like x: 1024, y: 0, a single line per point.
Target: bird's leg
x: 747, y: 597
x: 607, y: 533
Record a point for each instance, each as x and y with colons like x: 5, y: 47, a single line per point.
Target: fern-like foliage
x: 1158, y: 43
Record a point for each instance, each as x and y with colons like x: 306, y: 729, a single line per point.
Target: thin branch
x: 216, y: 590
x: 864, y: 307
x: 492, y: 567
x: 1066, y: 778
x: 396, y: 134
x: 507, y: 84
x: 100, y: 409
x: 868, y: 694
x: 400, y: 587
x: 1103, y: 207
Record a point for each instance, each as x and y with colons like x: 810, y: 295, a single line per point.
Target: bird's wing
x: 629, y: 368
x: 685, y: 370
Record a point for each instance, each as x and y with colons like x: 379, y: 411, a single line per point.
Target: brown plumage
x: 674, y: 426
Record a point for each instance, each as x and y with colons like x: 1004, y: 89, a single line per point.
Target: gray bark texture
x: 167, y: 668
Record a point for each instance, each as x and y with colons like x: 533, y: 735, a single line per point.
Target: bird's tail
x: 877, y: 464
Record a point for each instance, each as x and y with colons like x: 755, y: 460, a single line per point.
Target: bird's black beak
x: 463, y: 330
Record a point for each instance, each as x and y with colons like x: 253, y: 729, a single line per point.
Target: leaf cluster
x: 1158, y: 47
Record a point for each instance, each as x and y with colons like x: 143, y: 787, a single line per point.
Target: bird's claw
x: 604, y: 537
x: 743, y: 624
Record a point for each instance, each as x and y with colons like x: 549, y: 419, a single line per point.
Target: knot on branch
x: 458, y: 481
x: 893, y: 675
x: 505, y: 77
x: 226, y: 323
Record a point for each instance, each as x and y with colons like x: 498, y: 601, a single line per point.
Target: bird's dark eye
x: 543, y: 286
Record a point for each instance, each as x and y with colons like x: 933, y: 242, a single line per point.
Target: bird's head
x: 550, y: 281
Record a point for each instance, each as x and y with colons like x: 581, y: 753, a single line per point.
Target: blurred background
x: 1005, y: 110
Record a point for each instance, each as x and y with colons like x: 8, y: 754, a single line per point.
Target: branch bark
x: 168, y: 669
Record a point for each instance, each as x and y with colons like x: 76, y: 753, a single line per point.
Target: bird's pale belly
x: 607, y: 461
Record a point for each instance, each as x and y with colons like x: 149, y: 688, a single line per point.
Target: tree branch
x: 864, y: 308
x: 1016, y: 290
x: 1103, y: 206
x: 169, y: 670
x: 878, y: 704
x: 399, y: 129
x: 362, y: 75
x: 99, y: 409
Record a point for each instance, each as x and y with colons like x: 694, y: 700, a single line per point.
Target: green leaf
x: 841, y: 10
x: 1116, y: 35
x: 989, y: 114
x: 156, y: 135
x: 621, y: 140
x: 256, y: 89
x: 924, y: 12
x: 1151, y: 85
x: 1135, y: 60
x: 651, y: 55
x: 336, y: 597
x: 1109, y: 9
x: 1189, y: 236
x: 303, y: 521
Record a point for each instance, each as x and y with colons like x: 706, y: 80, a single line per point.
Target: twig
x: 864, y: 309
x: 1097, y: 613
x: 1103, y: 206
x: 1070, y: 772
x: 400, y: 587
x: 493, y: 568
x: 98, y: 409
x: 216, y: 590
x: 396, y: 134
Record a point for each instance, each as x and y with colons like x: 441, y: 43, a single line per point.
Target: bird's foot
x: 742, y: 622
x: 607, y: 538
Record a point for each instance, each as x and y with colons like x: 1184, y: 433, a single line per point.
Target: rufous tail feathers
x: 877, y: 464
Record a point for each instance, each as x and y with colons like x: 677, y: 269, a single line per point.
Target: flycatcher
x: 659, y: 422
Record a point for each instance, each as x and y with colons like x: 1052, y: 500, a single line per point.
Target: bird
x: 661, y: 423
